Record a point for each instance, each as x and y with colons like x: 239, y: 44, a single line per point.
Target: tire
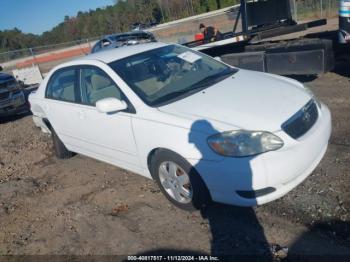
x: 161, y: 162
x: 61, y: 151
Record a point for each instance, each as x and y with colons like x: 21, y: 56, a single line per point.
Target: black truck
x: 251, y: 48
x: 12, y: 98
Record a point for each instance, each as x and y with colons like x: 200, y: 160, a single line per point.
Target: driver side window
x: 96, y: 85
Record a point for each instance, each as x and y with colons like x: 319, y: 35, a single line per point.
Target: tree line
x: 111, y: 19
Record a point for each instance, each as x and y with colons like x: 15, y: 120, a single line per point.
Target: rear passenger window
x: 96, y: 85
x: 62, y: 86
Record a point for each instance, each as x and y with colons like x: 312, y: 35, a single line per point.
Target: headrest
x: 100, y: 81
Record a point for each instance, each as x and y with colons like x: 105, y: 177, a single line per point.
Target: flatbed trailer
x: 250, y: 48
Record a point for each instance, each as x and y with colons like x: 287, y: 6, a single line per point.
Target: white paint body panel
x: 249, y: 100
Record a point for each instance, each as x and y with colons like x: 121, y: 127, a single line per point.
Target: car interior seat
x: 66, y: 85
x: 146, y: 78
x: 102, y: 87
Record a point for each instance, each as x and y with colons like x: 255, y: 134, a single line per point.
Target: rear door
x: 62, y: 106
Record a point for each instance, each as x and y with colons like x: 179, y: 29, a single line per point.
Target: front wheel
x: 179, y: 181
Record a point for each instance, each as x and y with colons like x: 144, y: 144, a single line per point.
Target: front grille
x: 4, y: 95
x: 301, y: 121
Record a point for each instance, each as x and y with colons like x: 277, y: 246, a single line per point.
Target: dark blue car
x: 12, y: 99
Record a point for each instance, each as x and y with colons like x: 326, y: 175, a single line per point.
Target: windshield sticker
x: 189, y: 57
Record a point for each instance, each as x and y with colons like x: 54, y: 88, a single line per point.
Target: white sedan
x: 203, y: 130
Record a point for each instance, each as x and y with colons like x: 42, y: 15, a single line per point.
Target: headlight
x: 311, y: 93
x: 244, y: 143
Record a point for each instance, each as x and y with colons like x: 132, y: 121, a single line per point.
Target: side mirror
x: 1, y: 68
x: 218, y: 58
x: 110, y: 105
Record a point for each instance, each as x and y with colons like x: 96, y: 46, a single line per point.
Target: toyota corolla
x: 203, y: 130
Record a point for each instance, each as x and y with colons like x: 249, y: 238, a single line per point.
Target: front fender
x: 190, y: 143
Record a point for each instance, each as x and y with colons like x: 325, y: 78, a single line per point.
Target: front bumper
x: 282, y: 170
x: 16, y: 103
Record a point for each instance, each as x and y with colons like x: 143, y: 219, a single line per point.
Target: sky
x: 38, y: 16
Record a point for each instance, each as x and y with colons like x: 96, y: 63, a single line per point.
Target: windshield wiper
x: 170, y: 96
x: 212, y: 79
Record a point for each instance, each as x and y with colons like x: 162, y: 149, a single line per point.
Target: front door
x: 107, y: 136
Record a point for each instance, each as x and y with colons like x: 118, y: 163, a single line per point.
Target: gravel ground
x: 83, y: 206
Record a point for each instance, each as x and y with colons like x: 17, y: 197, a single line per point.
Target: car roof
x: 110, y: 55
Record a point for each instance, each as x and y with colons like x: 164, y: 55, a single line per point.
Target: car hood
x: 247, y: 100
x: 5, y: 78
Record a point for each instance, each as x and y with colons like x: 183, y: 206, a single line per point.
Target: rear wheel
x: 61, y: 151
x: 179, y: 181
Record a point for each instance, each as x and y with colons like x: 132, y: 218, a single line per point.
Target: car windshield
x: 163, y: 75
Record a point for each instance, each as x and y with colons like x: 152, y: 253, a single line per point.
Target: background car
x: 203, y: 130
x: 12, y: 98
x: 124, y: 39
x: 142, y: 26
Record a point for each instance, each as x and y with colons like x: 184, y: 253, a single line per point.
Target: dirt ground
x: 82, y: 206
